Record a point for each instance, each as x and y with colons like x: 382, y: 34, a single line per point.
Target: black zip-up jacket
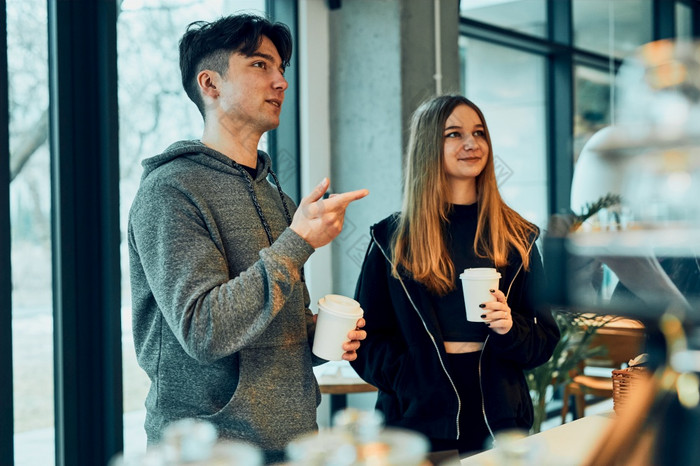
x: 404, y: 353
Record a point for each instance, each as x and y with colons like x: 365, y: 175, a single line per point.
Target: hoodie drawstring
x: 254, y: 198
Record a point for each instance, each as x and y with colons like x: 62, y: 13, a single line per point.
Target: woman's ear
x: 208, y: 81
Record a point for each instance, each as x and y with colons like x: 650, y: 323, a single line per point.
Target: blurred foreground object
x: 640, y: 258
x: 652, y: 155
x: 639, y: 255
x: 661, y: 420
x: 194, y: 442
x: 511, y: 452
x: 359, y: 438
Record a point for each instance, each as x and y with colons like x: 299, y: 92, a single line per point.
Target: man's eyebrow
x: 263, y: 55
x: 266, y: 56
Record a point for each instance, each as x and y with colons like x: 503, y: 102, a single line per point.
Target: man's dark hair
x: 209, y: 45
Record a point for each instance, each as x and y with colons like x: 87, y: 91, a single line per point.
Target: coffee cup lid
x: 340, y: 305
x: 480, y: 273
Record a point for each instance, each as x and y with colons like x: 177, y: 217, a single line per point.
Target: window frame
x: 6, y: 389
x: 85, y: 226
x: 86, y: 263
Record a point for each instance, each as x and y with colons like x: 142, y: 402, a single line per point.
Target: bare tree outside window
x: 153, y: 112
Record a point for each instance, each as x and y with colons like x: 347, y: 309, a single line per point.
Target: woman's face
x: 465, y: 146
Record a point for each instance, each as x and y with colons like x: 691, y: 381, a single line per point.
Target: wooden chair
x: 623, y: 343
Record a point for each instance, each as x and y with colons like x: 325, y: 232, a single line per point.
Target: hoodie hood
x: 200, y: 153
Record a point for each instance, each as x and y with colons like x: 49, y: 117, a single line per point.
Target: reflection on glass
x: 636, y: 190
x: 30, y: 213
x: 592, y: 99
x: 516, y: 116
x: 684, y: 21
x: 526, y: 16
x: 154, y: 112
x: 613, y: 28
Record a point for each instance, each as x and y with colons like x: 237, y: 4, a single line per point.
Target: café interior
x: 594, y: 113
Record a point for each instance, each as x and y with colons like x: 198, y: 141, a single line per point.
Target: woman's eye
x: 479, y: 133
x: 453, y: 134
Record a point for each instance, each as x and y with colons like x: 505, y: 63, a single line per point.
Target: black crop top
x: 450, y: 310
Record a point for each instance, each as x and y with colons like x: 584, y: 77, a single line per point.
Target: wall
x: 382, y: 65
x: 363, y: 70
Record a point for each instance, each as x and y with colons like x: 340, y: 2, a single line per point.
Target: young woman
x: 455, y: 381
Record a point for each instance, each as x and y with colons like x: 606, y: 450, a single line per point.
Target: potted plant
x: 576, y: 330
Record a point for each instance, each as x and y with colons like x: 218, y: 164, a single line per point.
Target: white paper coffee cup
x: 337, y: 315
x: 476, y: 284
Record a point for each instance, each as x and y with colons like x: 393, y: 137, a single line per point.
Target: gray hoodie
x: 221, y: 317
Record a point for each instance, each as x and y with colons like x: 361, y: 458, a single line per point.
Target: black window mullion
x: 508, y: 37
x: 6, y: 395
x: 85, y: 230
x: 663, y: 19
x: 560, y: 106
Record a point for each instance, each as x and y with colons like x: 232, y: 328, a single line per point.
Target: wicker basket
x: 624, y: 381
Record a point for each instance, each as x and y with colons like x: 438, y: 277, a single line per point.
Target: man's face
x: 252, y: 91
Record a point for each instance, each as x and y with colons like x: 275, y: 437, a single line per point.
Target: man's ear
x: 208, y: 81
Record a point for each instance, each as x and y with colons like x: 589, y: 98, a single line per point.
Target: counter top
x: 565, y: 445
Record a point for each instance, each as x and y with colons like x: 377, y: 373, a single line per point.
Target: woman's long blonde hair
x: 418, y: 245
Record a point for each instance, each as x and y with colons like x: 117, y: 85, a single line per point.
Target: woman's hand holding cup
x: 355, y: 336
x: 496, y: 314
x: 338, y: 328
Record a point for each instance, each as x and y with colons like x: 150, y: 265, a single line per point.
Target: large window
x: 154, y: 112
x: 30, y: 220
x: 612, y: 28
x: 516, y: 118
x: 544, y: 72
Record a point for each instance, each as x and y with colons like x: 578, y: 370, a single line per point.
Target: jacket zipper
x: 481, y: 388
x: 432, y: 338
x: 481, y: 385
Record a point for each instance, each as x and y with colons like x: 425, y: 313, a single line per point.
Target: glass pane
x: 516, y: 119
x: 592, y: 112
x: 612, y: 28
x: 592, y: 98
x: 684, y: 21
x: 154, y: 112
x: 526, y: 16
x: 30, y: 213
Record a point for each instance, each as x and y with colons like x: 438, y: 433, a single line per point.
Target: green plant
x: 576, y: 330
x: 590, y: 209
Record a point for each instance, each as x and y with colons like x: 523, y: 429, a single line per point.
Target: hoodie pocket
x: 276, y: 398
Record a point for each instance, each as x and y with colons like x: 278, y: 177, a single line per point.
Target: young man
x: 221, y: 315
